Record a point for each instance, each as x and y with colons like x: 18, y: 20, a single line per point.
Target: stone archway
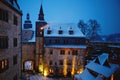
x: 29, y: 65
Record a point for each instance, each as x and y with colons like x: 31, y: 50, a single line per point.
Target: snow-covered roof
x: 64, y: 30
x: 102, y: 66
x: 27, y: 35
x: 65, y: 46
x: 86, y: 75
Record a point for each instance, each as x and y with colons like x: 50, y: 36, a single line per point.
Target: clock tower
x: 40, y: 24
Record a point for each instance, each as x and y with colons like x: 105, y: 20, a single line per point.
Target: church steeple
x: 40, y: 23
x: 41, y: 14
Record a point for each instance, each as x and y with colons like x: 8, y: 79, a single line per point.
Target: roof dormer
x: 49, y: 30
x: 60, y: 31
x: 70, y: 31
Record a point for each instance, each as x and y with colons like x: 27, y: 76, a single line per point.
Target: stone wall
x: 12, y: 31
x: 28, y: 52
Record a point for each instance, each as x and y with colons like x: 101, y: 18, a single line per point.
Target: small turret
x: 27, y: 23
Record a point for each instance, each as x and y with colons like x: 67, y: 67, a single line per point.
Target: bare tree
x: 90, y: 30
x: 82, y: 26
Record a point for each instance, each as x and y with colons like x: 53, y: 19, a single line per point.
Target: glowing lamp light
x: 45, y: 73
x: 73, y: 65
x: 40, y: 68
x: 65, y: 67
x: 44, y: 27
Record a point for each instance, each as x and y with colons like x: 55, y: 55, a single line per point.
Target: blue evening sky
x: 106, y: 12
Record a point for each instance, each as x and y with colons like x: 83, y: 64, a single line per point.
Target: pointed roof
x: 41, y: 10
x: 97, y: 69
x: 105, y: 68
x: 86, y: 75
x: 41, y: 13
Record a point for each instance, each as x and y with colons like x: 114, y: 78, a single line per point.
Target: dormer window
x: 71, y: 31
x: 60, y: 31
x: 49, y: 31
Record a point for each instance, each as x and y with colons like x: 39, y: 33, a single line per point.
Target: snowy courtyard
x: 40, y: 77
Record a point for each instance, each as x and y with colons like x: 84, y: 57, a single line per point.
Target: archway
x: 28, y: 65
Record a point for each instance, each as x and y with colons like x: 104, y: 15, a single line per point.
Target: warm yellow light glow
x: 44, y: 27
x: 65, y: 67
x: 73, y: 65
x: 45, y: 72
x: 3, y: 64
x: 112, y: 77
x: 40, y: 68
x: 80, y: 71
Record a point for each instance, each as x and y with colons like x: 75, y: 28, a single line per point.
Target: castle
x: 58, y: 48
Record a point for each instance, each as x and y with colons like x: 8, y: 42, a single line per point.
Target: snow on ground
x: 40, y: 77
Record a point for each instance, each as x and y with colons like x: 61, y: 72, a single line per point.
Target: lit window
x: 41, y: 32
x: 3, y: 66
x: 5, y: 62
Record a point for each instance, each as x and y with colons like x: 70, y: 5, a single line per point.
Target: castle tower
x: 27, y: 23
x: 40, y: 24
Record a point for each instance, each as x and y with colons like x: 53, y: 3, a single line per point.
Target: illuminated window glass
x: 3, y: 66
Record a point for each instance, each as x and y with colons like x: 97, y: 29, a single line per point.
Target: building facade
x: 10, y: 40
x: 65, y: 48
x: 28, y: 57
x: 59, y: 48
x: 28, y: 47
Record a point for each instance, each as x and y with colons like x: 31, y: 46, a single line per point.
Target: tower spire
x: 41, y: 13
